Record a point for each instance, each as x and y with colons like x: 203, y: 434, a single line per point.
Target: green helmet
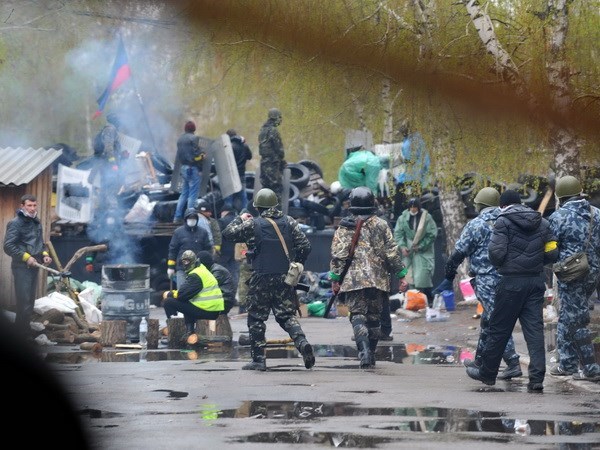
x: 488, y: 196
x: 188, y: 260
x: 265, y: 198
x: 567, y: 186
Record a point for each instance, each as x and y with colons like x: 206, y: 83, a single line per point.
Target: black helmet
x: 190, y: 212
x: 188, y: 260
x: 202, y: 205
x: 265, y: 198
x: 362, y: 201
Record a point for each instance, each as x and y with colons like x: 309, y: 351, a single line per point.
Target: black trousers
x: 190, y: 312
x: 522, y: 298
x: 25, y: 286
x: 386, y: 320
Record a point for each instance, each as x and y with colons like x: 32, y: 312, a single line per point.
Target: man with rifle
x: 363, y: 254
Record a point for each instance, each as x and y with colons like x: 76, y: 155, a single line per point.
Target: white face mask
x: 191, y: 222
x: 413, y: 213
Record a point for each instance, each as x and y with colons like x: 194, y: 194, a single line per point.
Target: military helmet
x: 188, y: 260
x: 274, y: 113
x: 567, y: 186
x: 265, y: 198
x: 488, y: 196
x: 362, y: 200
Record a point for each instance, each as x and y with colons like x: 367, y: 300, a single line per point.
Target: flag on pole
x: 119, y: 74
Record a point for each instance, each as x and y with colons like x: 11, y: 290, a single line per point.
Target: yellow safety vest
x: 210, y: 298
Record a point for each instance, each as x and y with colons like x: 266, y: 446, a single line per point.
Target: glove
x: 170, y: 273
x: 335, y: 287
x: 89, y: 268
x: 445, y: 285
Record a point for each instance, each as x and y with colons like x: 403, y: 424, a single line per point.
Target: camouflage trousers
x: 245, y: 270
x: 271, y: 176
x: 485, y: 289
x: 365, y: 307
x: 269, y: 293
x: 573, y: 338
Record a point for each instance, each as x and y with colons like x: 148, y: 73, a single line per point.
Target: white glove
x: 170, y: 273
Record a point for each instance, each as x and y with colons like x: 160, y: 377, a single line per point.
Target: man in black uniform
x: 267, y: 288
x: 521, y: 245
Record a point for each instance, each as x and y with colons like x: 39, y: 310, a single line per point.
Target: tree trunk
x: 153, y: 332
x: 177, y: 332
x: 113, y: 332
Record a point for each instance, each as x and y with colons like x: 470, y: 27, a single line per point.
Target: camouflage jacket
x: 474, y: 241
x: 270, y: 145
x: 243, y: 231
x: 570, y: 224
x: 110, y: 139
x: 375, y: 257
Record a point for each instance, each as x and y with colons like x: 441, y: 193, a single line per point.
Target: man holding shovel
x: 24, y: 243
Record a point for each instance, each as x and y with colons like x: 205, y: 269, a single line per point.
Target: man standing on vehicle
x: 268, y: 290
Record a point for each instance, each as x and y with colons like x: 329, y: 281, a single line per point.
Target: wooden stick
x: 82, y: 251
x: 545, y: 200
x: 53, y: 254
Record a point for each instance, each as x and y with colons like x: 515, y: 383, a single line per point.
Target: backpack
x: 98, y: 143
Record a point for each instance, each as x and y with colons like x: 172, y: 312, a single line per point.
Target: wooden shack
x: 23, y: 171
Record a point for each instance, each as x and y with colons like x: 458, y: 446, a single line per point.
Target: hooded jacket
x: 187, y: 238
x: 522, y: 242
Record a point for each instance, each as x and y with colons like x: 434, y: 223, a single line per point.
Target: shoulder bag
x: 576, y: 266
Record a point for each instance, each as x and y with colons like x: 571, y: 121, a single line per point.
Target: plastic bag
x: 316, y: 309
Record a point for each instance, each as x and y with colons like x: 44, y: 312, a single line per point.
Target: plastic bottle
x: 143, y: 332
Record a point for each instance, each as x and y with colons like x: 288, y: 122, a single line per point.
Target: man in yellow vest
x: 198, y: 298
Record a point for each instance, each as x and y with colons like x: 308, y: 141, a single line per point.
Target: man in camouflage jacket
x: 571, y: 224
x: 366, y: 283
x: 267, y: 288
x: 272, y: 154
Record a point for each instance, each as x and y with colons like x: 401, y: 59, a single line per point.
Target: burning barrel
x: 126, y: 295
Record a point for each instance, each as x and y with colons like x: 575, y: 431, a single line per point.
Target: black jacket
x: 186, y: 238
x: 521, y: 242
x: 241, y: 153
x: 227, y: 252
x: 23, y: 235
x: 188, y: 150
x: 225, y: 281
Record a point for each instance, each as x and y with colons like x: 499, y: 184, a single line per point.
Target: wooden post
x: 113, y: 332
x: 152, y: 338
x: 177, y: 332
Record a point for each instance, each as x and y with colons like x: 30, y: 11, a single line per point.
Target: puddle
x: 326, y: 439
x: 396, y: 353
x: 173, y: 394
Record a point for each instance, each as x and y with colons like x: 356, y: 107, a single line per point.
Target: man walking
x: 272, y: 154
x: 576, y: 224
x: 473, y: 244
x: 520, y: 246
x: 364, y: 277
x: 270, y: 261
x: 24, y: 243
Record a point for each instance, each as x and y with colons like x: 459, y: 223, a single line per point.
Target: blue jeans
x: 189, y: 192
x: 239, y: 198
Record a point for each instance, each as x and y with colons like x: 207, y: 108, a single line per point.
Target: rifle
x: 359, y: 224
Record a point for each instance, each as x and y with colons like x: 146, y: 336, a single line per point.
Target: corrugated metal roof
x: 21, y: 165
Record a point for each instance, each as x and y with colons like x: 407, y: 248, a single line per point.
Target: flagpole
x: 142, y: 107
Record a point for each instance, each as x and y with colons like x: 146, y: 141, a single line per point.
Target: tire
x: 312, y: 166
x: 314, y: 207
x: 161, y: 164
x: 249, y: 180
x: 294, y: 193
x: 299, y: 175
x: 332, y: 204
x: 467, y: 184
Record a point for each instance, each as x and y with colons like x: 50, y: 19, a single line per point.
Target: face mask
x: 191, y: 222
x: 413, y: 213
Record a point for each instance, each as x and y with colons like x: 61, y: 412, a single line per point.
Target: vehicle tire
x: 467, y: 184
x: 294, y: 193
x: 249, y: 180
x: 161, y: 164
x: 332, y: 204
x: 312, y: 166
x: 299, y: 175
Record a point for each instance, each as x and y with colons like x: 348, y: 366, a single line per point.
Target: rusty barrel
x: 126, y: 295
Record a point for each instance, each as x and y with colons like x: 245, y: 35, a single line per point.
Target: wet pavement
x: 417, y: 396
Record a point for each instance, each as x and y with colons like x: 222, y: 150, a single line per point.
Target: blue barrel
x: 448, y: 297
x: 126, y: 295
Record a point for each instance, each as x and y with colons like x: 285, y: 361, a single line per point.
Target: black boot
x: 306, y: 351
x: 258, y: 360
x: 364, y: 352
x: 190, y: 327
x: 373, y: 349
x: 513, y: 370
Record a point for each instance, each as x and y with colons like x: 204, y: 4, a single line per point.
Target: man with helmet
x: 364, y: 279
x: 473, y: 244
x: 574, y: 222
x: 272, y: 154
x: 415, y: 234
x: 198, y: 297
x: 270, y: 262
x: 190, y: 157
x: 189, y: 236
x: 206, y: 212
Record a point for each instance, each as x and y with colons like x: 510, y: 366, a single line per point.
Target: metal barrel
x: 126, y: 295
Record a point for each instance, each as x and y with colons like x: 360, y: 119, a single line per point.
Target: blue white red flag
x: 119, y: 74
